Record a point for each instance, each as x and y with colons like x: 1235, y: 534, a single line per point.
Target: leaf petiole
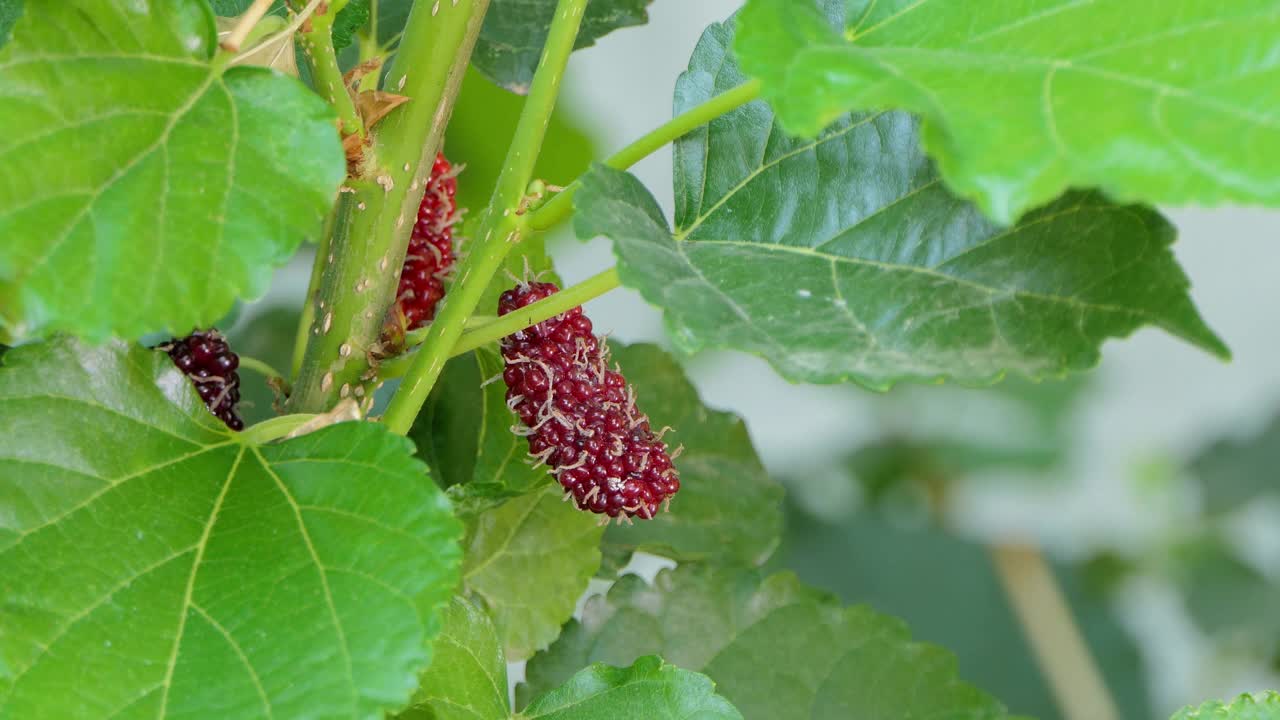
x: 558, y: 207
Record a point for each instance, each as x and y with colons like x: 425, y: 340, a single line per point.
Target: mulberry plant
x: 866, y: 194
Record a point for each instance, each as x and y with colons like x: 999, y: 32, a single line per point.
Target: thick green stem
x: 371, y: 231
x: 527, y: 316
x: 501, y: 227
x: 559, y: 207
x: 316, y: 41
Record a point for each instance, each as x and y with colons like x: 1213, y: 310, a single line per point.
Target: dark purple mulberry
x: 581, y: 417
x: 205, y: 357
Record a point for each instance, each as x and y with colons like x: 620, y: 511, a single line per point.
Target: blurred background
x: 1152, y: 484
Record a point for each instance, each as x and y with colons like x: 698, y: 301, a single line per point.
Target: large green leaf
x: 514, y: 32
x: 157, y: 565
x: 467, y: 679
x: 1169, y: 101
x: 771, y: 645
x: 728, y: 508
x: 844, y: 258
x: 528, y: 560
x: 1233, y: 473
x: 166, y: 187
x: 648, y: 690
x: 1264, y: 706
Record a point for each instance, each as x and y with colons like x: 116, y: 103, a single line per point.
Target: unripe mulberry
x: 206, y: 358
x: 430, y: 256
x: 581, y: 417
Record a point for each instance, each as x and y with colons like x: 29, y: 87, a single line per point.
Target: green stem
x: 317, y: 46
x: 273, y: 428
x: 500, y: 228
x: 371, y: 231
x: 308, y: 314
x: 370, y: 48
x: 559, y: 207
x: 528, y: 316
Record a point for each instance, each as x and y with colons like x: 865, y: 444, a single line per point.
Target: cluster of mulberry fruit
x: 430, y: 255
x: 580, y: 417
x: 205, y: 357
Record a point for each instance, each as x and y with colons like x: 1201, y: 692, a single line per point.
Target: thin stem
x: 528, y: 316
x: 373, y: 221
x: 317, y: 46
x: 370, y: 48
x: 273, y: 428
x: 289, y: 29
x: 308, y: 314
x: 500, y: 228
x: 561, y: 205
x: 245, y: 24
x: 1046, y: 620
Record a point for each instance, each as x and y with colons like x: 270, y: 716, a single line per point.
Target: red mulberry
x: 206, y: 358
x: 430, y: 256
x: 580, y: 416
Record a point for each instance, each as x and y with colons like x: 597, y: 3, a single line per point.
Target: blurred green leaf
x: 1263, y: 706
x: 529, y: 559
x: 10, y: 11
x: 1233, y: 473
x: 771, y: 645
x: 1227, y: 597
x: 728, y: 509
x: 514, y: 32
x: 648, y: 690
x: 467, y: 679
x: 267, y: 336
x: 448, y: 428
x: 906, y: 570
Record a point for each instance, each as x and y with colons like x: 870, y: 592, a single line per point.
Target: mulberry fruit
x: 581, y: 417
x: 430, y: 256
x: 206, y: 358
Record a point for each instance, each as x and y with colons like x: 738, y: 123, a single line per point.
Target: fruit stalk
x: 502, y: 226
x: 377, y: 207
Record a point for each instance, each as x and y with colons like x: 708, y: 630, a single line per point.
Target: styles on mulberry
x: 205, y: 357
x: 581, y: 417
x: 430, y: 256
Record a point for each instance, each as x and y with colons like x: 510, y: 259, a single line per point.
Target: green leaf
x: 1233, y: 473
x: 467, y: 679
x: 191, y: 574
x: 728, y: 508
x: 159, y: 201
x: 771, y: 646
x: 648, y: 690
x: 1225, y: 596
x: 514, y: 32
x: 267, y: 336
x: 528, y: 560
x: 844, y: 258
x: 1156, y: 101
x: 1263, y: 706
